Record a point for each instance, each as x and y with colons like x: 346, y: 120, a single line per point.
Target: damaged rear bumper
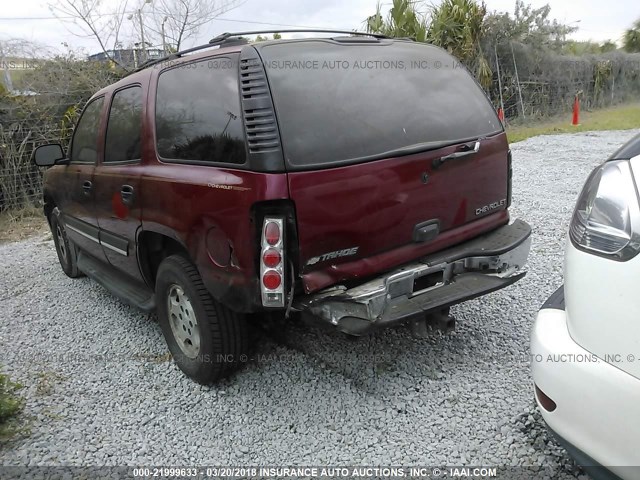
x: 483, y: 265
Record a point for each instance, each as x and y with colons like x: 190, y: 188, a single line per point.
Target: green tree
x: 403, y: 20
x: 608, y: 46
x: 529, y: 26
x: 260, y: 38
x: 631, y: 39
x: 573, y: 47
x: 58, y: 88
x: 457, y: 26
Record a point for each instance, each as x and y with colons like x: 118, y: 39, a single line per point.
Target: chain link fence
x: 27, y: 123
x: 531, y: 85
x: 41, y: 106
x: 528, y: 84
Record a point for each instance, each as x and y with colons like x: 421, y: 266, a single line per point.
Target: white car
x: 585, y: 343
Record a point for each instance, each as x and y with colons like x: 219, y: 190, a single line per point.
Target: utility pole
x: 143, y: 53
x: 164, y: 41
x: 232, y: 116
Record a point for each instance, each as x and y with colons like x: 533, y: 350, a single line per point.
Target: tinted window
x: 84, y: 148
x: 124, y: 127
x: 342, y: 103
x: 198, y: 113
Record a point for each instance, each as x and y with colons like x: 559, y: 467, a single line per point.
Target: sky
x: 31, y: 19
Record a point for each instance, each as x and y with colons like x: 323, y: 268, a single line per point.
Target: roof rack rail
x: 235, y: 37
x: 224, y: 36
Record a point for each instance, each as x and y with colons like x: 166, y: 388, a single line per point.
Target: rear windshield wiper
x: 420, y: 148
x: 411, y: 149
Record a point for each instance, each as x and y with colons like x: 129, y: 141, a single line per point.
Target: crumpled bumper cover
x: 474, y: 268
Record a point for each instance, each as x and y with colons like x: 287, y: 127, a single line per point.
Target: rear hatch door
x: 391, y: 149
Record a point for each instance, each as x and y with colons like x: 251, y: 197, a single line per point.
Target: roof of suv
x: 236, y: 45
x: 276, y: 76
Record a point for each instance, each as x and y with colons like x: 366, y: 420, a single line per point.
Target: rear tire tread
x: 227, y: 331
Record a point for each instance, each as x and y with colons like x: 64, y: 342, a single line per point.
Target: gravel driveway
x: 100, y: 389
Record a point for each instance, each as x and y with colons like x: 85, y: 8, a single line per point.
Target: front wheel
x: 206, y: 339
x: 66, y: 250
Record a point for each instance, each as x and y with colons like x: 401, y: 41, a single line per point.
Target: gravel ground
x: 100, y: 390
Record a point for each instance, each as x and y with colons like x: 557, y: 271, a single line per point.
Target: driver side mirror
x: 49, y: 155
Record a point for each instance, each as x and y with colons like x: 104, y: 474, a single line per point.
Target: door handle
x: 464, y: 151
x: 126, y: 192
x: 87, y: 186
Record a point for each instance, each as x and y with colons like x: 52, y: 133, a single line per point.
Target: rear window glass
x: 341, y: 103
x: 198, y: 114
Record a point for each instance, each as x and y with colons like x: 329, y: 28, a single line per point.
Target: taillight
x: 272, y: 232
x: 271, y: 258
x: 272, y: 263
x: 546, y: 402
x: 272, y: 280
x: 606, y: 220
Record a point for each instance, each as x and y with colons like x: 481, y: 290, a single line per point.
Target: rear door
x: 117, y: 181
x: 77, y: 202
x: 389, y: 146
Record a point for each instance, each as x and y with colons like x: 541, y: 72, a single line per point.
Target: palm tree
x: 631, y: 39
x: 457, y: 26
x: 403, y: 20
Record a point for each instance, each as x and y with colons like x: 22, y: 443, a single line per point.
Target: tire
x: 66, y: 250
x: 207, y: 340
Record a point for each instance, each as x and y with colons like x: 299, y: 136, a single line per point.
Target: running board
x: 129, y: 291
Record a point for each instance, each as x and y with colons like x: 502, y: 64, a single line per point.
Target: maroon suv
x: 359, y: 179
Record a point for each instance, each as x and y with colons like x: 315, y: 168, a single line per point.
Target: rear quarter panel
x: 208, y: 211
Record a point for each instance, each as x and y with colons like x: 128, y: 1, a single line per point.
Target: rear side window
x: 84, y: 148
x: 124, y: 129
x: 198, y: 116
x: 344, y: 103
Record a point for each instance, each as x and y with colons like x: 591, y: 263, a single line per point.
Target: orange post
x: 501, y: 114
x: 576, y: 111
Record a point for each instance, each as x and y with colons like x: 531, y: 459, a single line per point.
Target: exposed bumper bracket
x: 480, y: 266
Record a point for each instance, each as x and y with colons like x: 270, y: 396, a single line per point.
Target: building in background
x: 128, y: 57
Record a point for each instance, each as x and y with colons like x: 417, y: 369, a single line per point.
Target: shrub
x: 10, y: 405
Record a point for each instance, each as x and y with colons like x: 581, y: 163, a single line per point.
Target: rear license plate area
x: 427, y: 281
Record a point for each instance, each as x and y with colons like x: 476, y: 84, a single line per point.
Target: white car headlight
x: 606, y: 220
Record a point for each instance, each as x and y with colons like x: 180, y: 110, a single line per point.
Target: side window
x: 84, y: 147
x: 123, y: 140
x: 198, y: 113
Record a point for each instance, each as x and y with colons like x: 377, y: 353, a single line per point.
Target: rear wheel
x: 206, y: 339
x: 66, y: 250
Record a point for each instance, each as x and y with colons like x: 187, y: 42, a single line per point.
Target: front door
x: 117, y: 181
x: 77, y: 202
